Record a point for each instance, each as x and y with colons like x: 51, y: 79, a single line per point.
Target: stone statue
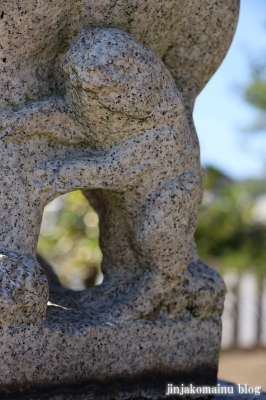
x: 87, y: 103
x: 133, y: 116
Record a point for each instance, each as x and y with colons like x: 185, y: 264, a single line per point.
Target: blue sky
x: 221, y: 115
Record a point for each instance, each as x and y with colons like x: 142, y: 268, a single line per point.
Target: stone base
x: 76, y: 349
x: 81, y: 347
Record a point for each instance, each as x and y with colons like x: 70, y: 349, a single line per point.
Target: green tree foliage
x: 69, y: 240
x: 255, y: 94
x: 231, y: 230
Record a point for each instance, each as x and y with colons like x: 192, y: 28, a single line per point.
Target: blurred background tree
x: 69, y: 241
x: 255, y: 94
x: 231, y: 232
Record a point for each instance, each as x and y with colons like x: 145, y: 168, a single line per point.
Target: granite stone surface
x: 77, y: 346
x: 99, y: 96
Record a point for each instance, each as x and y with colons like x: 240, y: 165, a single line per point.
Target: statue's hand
x: 65, y: 175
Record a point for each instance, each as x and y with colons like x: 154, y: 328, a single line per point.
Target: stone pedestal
x: 78, y: 346
x: 67, y: 351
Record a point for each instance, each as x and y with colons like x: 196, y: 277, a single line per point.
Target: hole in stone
x: 69, y: 241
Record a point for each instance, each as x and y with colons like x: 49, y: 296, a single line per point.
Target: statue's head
x: 125, y: 75
x: 112, y: 75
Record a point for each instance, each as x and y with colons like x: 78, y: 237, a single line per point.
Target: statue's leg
x: 161, y: 225
x: 119, y: 261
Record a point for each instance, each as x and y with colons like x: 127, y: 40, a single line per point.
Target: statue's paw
x: 48, y: 169
x: 207, y: 290
x: 122, y: 313
x: 47, y: 177
x: 141, y: 302
x: 133, y: 312
x: 200, y: 294
x: 66, y: 175
x: 23, y: 290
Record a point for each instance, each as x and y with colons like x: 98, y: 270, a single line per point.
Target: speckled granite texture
x: 78, y: 346
x: 99, y: 96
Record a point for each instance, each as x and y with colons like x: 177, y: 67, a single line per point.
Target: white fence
x: 244, y: 317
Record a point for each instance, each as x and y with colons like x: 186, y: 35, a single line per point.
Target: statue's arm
x: 117, y: 169
x: 90, y: 173
x: 51, y: 117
